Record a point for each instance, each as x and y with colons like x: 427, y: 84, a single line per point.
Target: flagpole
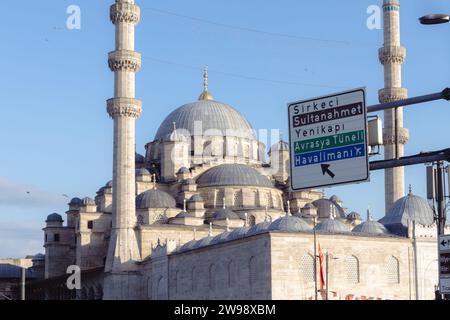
x: 315, y: 260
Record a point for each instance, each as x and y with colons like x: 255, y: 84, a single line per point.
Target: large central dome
x: 211, y: 116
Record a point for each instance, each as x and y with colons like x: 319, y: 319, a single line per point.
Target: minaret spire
x: 123, y: 252
x: 205, y: 94
x: 392, y: 56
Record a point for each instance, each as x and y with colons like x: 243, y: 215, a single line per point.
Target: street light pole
x: 315, y: 259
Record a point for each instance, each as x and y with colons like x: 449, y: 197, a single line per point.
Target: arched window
x: 212, y: 283
x: 160, y: 289
x: 352, y: 269
x: 269, y: 200
x: 253, y: 270
x: 238, y: 199
x: 256, y: 198
x: 140, y: 220
x: 252, y: 221
x: 219, y: 198
x: 194, y: 280
x: 231, y: 274
x: 307, y: 268
x: 393, y: 270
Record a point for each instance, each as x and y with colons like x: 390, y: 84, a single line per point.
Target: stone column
x: 392, y: 56
x: 122, y: 279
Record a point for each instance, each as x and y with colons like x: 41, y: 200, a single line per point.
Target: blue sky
x: 55, y: 135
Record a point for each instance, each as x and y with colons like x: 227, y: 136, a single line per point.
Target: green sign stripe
x: 337, y: 140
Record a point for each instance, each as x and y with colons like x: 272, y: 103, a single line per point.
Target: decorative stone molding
x: 124, y: 107
x: 392, y: 54
x: 392, y: 94
x: 125, y: 13
x: 403, y: 137
x: 124, y: 60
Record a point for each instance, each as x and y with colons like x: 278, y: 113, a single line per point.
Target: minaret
x: 121, y: 280
x: 392, y: 56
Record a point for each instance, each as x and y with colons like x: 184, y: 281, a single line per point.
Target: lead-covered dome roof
x: 233, y: 175
x: 155, y: 198
x: 410, y: 207
x: 332, y: 226
x: 370, y: 227
x: 326, y: 207
x: 289, y: 224
x: 212, y: 115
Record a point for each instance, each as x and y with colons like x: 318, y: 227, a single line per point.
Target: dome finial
x: 154, y: 181
x: 288, y: 209
x: 205, y: 94
x: 369, y: 214
x: 224, y: 203
x: 246, y: 219
x: 410, y: 189
x: 210, y: 229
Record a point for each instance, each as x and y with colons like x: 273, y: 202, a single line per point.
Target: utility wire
x: 246, y: 29
x: 241, y: 76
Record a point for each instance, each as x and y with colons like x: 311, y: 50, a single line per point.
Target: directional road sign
x: 328, y: 140
x: 444, y: 263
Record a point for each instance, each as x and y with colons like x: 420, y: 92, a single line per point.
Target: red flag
x: 322, y: 278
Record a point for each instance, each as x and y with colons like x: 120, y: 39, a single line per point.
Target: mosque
x: 204, y: 214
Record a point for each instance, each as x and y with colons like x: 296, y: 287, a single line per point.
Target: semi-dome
x: 238, y: 233
x: 223, y: 214
x: 325, y: 208
x: 155, y: 198
x: 54, y: 217
x: 332, y: 226
x: 212, y: 115
x: 259, y: 228
x: 289, y: 224
x: 233, y: 175
x: 188, y: 246
x: 410, y: 207
x: 370, y: 227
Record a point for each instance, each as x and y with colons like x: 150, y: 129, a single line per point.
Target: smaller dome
x: 233, y: 175
x: 38, y: 257
x: 142, y: 172
x: 101, y: 191
x: 176, y: 136
x: 139, y: 158
x: 370, y: 227
x: 109, y: 184
x: 223, y: 214
x: 309, y: 206
x: 289, y: 224
x: 220, y: 238
x: 259, y: 228
x: 155, y: 198
x: 196, y: 198
x: 332, y: 226
x: 88, y: 202
x: 54, y: 217
x: 203, y: 242
x: 279, y: 146
x: 75, y: 201
x: 354, y: 216
x: 335, y: 199
x: 238, y: 233
x: 183, y: 170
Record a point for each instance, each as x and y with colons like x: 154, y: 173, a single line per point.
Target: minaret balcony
x: 124, y: 12
x: 392, y: 54
x: 392, y: 94
x: 124, y: 107
x: 124, y: 60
